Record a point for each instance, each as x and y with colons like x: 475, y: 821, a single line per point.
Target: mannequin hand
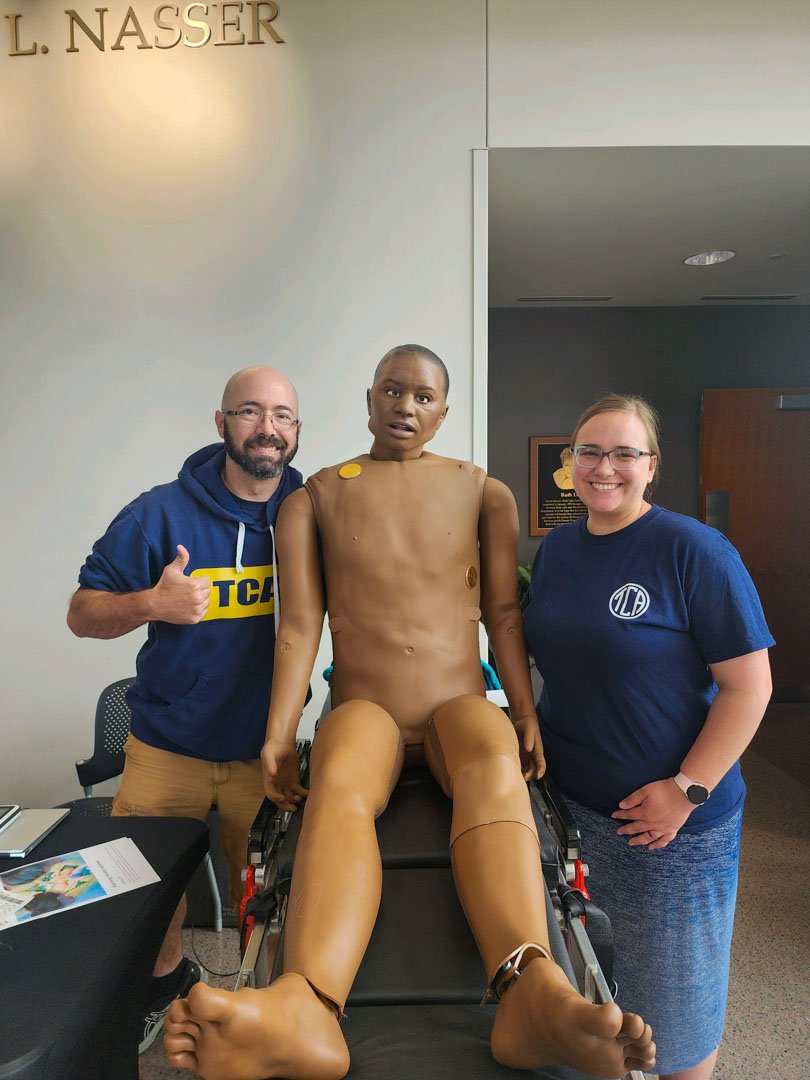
x: 654, y: 814
x: 282, y: 774
x: 532, y: 758
x: 179, y: 599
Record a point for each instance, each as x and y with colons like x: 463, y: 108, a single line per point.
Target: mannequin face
x: 614, y: 498
x: 406, y: 406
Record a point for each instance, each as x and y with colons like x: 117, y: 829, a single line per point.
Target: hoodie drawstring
x: 240, y: 544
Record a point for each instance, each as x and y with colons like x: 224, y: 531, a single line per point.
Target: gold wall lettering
x: 229, y: 22
x: 14, y: 36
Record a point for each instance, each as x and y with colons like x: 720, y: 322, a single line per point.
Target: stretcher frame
x: 264, y: 908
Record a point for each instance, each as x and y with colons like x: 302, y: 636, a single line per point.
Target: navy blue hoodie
x: 200, y: 690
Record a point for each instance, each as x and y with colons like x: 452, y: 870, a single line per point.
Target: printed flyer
x: 67, y: 881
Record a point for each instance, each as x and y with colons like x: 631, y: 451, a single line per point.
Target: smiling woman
x: 616, y: 459
x: 651, y: 640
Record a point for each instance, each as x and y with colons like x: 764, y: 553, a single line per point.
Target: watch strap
x: 685, y: 783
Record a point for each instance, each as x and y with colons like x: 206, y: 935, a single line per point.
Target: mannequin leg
x: 337, y: 879
x: 473, y: 751
x: 291, y: 1029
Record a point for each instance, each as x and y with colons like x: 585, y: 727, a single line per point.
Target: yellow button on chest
x: 471, y: 577
x: 348, y: 472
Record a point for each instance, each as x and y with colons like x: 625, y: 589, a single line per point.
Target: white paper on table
x: 62, y: 882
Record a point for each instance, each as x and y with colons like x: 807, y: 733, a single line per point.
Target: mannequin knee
x: 473, y: 751
x: 488, y: 791
x: 356, y: 757
x: 467, y: 729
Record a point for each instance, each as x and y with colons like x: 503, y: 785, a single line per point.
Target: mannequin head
x: 407, y: 402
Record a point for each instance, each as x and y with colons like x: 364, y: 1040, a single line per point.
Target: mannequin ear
x: 368, y: 401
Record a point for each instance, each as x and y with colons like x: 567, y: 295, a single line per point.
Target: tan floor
x: 768, y: 1020
x: 768, y: 1027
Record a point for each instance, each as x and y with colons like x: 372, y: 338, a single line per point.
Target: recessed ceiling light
x: 709, y: 258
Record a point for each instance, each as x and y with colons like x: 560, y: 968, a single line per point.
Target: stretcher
x: 415, y: 1008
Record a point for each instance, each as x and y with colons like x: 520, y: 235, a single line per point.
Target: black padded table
x: 439, y: 1042
x: 74, y: 984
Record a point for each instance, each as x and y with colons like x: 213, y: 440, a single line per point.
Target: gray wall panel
x: 546, y: 366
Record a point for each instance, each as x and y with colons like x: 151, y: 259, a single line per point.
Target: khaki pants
x: 157, y: 783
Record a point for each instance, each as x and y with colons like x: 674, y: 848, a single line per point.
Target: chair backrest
x: 112, y: 728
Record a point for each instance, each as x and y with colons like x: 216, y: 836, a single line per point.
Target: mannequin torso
x: 405, y: 531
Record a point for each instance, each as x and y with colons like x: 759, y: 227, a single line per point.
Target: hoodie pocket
x: 185, y: 720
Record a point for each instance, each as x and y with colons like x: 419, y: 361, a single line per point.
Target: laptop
x: 27, y: 829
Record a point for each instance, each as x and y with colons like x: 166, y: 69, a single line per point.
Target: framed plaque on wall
x: 552, y: 499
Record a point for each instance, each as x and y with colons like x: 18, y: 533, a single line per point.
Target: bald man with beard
x: 193, y: 561
x: 414, y: 549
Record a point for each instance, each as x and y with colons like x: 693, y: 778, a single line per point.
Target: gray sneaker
x: 156, y: 1009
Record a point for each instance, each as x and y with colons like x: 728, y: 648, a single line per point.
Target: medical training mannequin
x: 415, y: 548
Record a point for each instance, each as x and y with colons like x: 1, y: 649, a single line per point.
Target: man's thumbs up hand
x: 179, y: 599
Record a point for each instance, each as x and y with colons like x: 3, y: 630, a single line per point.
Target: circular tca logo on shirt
x: 629, y: 601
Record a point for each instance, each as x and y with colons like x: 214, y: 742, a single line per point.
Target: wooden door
x: 755, y: 487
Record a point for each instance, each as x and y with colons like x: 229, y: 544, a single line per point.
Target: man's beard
x: 261, y: 468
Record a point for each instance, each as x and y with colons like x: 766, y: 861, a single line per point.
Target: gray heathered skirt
x: 672, y: 913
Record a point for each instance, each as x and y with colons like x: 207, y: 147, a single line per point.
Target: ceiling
x: 619, y: 221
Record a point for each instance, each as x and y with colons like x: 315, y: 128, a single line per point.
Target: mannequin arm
x: 497, y: 535
x: 302, y: 612
x: 299, y: 632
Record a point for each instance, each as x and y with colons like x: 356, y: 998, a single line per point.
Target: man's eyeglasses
x: 620, y: 457
x: 247, y: 415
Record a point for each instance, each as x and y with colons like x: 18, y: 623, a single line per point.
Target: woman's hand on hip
x: 654, y: 814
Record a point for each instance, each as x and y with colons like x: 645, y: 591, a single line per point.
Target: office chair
x: 112, y: 729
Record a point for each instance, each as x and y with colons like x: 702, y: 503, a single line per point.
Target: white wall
x: 648, y: 72
x: 167, y: 217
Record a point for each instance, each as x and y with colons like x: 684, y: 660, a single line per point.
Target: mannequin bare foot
x: 542, y: 1020
x: 284, y: 1030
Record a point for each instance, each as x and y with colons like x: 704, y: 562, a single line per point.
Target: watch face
x: 697, y: 794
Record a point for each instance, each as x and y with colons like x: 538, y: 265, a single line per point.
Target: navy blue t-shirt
x: 622, y: 628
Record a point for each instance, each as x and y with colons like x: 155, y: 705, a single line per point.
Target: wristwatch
x: 697, y: 794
